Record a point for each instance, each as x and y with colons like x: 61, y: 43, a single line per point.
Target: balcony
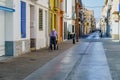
x: 56, y: 9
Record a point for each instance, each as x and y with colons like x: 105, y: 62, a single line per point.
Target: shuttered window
x: 56, y: 4
x: 23, y: 19
x: 40, y: 19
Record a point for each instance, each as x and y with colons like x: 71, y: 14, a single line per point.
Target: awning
x: 7, y: 9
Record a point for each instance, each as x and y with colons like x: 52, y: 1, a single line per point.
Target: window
x: 40, y: 19
x: 23, y: 19
x: 56, y: 4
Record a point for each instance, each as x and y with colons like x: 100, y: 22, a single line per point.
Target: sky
x: 95, y: 5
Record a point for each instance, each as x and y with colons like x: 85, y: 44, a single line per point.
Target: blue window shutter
x: 119, y: 7
x: 23, y: 19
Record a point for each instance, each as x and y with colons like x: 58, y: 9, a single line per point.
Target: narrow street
x: 59, y: 40
x: 85, y: 61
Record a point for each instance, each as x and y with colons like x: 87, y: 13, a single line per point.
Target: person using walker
x: 53, y: 39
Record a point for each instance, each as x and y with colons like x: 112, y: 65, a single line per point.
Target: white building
x: 103, y: 23
x: 38, y: 12
x: 114, y: 19
x: 67, y: 17
x: 7, y: 32
x: 24, y: 26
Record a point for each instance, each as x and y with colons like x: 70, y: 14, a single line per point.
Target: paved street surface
x: 85, y: 61
x: 93, y: 58
x: 17, y: 68
x: 112, y: 50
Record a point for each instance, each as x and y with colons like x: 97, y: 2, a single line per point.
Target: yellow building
x: 88, y: 22
x: 56, y: 18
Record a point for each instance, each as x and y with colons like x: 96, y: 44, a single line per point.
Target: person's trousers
x: 52, y: 42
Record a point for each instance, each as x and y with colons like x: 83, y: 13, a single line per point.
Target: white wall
x: 114, y: 27
x: 69, y: 8
x: 43, y: 3
x: 16, y: 21
x: 40, y: 37
x: 115, y: 7
x: 69, y: 25
x: 68, y: 15
x: 2, y: 29
x: 2, y: 33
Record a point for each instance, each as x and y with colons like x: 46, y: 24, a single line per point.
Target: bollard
x: 73, y: 38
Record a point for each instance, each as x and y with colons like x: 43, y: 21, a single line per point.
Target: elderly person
x: 53, y: 37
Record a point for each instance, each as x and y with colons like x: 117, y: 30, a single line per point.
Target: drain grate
x: 2, y: 62
x: 32, y: 59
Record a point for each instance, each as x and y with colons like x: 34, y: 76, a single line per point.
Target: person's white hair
x: 53, y: 29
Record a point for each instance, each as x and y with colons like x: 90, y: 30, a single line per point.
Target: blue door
x: 23, y: 19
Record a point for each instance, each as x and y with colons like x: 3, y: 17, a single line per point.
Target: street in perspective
x: 59, y: 39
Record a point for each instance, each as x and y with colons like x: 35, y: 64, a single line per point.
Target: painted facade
x: 25, y: 28
x: 61, y: 21
x: 56, y: 17
x: 115, y: 19
x: 111, y: 17
x: 103, y: 23
x: 39, y: 23
x: 67, y: 20
x: 2, y: 29
x: 88, y: 15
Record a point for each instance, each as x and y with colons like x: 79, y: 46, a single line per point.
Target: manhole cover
x: 32, y: 59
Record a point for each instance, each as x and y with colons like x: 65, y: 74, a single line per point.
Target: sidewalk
x: 112, y: 50
x: 19, y: 67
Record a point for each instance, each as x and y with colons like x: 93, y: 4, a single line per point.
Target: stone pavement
x: 112, y: 50
x: 88, y: 57
x: 93, y: 65
x: 85, y: 61
x: 18, y: 68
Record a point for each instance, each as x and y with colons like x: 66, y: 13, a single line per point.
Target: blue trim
x: 23, y: 19
x: 119, y: 7
x: 7, y: 9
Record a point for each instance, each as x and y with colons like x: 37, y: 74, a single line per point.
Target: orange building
x: 56, y: 18
x: 59, y: 19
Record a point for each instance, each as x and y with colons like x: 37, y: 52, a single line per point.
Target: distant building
x: 89, y: 21
x: 114, y: 17
x: 67, y: 20
x: 110, y: 19
x: 103, y: 23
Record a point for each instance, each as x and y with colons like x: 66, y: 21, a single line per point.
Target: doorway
x: 32, y: 28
